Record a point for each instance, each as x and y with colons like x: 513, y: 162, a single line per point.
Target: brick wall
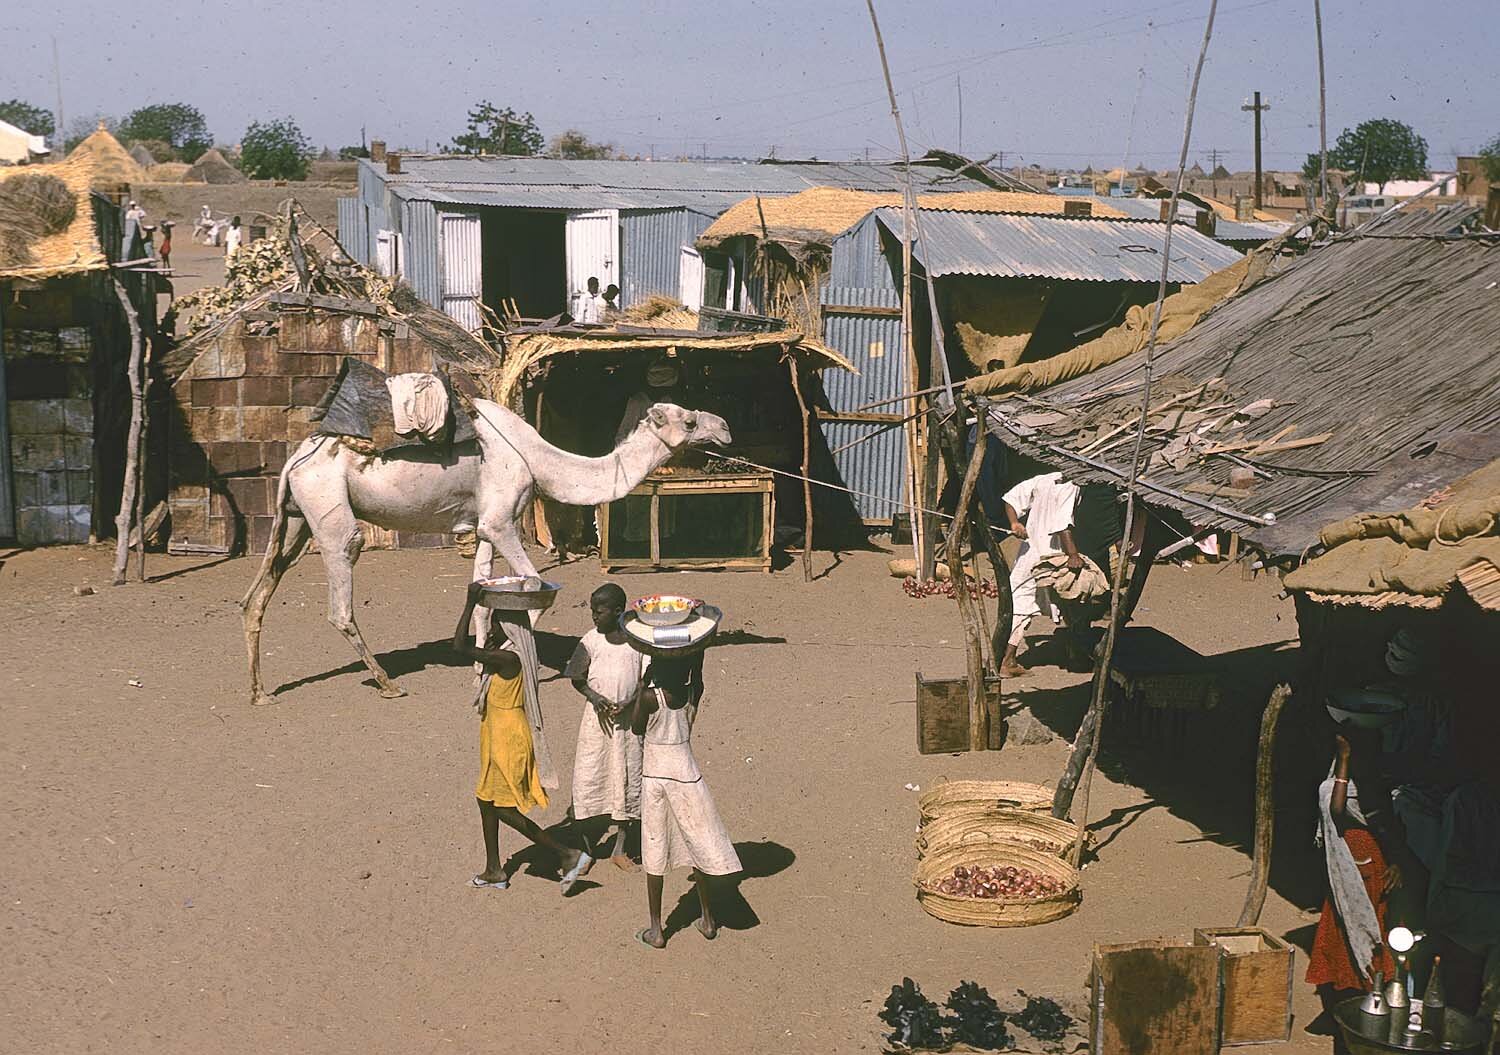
x: 243, y: 405
x: 49, y: 387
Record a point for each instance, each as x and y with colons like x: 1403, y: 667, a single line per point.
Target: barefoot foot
x: 708, y: 928
x: 624, y: 863
x: 651, y: 938
x: 1013, y: 670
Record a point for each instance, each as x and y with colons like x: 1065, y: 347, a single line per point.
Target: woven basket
x: 982, y: 796
x: 1000, y: 912
x: 1011, y: 826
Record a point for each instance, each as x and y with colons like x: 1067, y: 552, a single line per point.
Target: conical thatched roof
x: 111, y: 164
x: 142, y: 156
x: 212, y: 167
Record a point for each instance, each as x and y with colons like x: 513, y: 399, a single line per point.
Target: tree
x: 1380, y: 150
x: 575, y: 146
x: 178, y: 124
x: 27, y: 118
x: 493, y: 131
x: 353, y: 153
x: 275, y: 150
x: 1490, y: 156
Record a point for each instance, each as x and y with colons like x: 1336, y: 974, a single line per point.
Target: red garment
x: 1330, y: 961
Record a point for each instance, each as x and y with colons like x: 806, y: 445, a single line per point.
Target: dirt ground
x: 185, y: 873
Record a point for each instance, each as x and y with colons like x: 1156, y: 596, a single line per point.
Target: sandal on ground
x: 640, y: 936
x: 482, y: 884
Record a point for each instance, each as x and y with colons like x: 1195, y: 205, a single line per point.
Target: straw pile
x: 34, y: 221
x: 32, y: 207
x: 112, y: 165
x: 212, y: 167
x: 661, y: 311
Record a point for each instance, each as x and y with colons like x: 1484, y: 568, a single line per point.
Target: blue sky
x: 1051, y: 84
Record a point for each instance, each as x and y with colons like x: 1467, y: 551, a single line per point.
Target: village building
x: 522, y: 236
x: 20, y: 147
x: 1019, y: 276
x: 64, y: 404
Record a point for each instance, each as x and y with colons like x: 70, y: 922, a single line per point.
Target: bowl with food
x: 665, y: 609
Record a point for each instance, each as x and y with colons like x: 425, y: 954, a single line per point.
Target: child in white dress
x: 607, y: 672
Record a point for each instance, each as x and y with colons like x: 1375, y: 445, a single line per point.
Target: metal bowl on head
x: 517, y: 593
x: 665, y: 609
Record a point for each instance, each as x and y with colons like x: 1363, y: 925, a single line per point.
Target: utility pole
x: 960, y: 82
x: 1258, y: 107
x: 58, y: 140
x: 1214, y: 156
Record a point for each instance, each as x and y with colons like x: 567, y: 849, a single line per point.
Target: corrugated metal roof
x: 551, y: 183
x: 1095, y: 250
x: 1224, y: 230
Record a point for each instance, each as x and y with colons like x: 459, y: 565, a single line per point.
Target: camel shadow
x: 759, y: 860
x: 164, y: 576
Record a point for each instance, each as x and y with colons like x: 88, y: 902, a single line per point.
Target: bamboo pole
x: 129, y: 504
x: 807, y: 502
x: 1265, y: 818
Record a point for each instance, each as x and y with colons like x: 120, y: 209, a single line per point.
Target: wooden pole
x: 1265, y: 818
x: 131, y: 483
x: 807, y: 502
x: 979, y: 726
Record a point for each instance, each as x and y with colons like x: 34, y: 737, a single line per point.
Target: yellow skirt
x: 507, y: 760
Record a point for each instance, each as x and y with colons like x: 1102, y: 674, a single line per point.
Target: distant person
x: 1047, y: 503
x: 165, y: 249
x: 232, y: 238
x: 611, y: 312
x: 134, y: 213
x: 590, y: 307
x: 206, y: 229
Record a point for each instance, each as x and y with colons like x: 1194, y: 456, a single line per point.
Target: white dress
x: 607, y: 767
x: 680, y: 824
x: 1046, y: 503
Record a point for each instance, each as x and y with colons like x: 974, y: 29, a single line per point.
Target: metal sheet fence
x: 354, y: 235
x: 872, y: 342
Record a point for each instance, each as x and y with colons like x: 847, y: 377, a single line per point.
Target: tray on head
x: 517, y: 593
x: 680, y: 640
x: 665, y: 609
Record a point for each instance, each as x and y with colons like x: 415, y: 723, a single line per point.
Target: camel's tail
x: 278, y: 527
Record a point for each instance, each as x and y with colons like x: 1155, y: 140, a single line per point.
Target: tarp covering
x: 993, y: 323
x: 1178, y: 313
x: 1416, y: 551
x: 358, y: 404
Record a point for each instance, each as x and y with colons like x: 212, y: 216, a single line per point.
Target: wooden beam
x: 870, y: 310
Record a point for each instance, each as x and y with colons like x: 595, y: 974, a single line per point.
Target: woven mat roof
x: 112, y: 163
x: 72, y: 251
x: 820, y: 214
x: 523, y: 351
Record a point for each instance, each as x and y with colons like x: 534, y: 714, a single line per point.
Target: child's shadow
x: 731, y: 910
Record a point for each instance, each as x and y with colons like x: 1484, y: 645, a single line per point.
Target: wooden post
x: 131, y: 482
x: 807, y: 502
x: 1265, y: 819
x: 979, y: 730
x: 145, y: 454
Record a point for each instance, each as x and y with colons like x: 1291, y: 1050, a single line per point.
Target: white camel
x: 326, y: 489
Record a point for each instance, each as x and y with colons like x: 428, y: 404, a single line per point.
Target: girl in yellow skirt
x: 515, y: 767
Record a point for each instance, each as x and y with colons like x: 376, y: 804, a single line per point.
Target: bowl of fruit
x: 665, y: 609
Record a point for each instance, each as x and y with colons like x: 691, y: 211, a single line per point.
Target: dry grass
x: 33, y: 206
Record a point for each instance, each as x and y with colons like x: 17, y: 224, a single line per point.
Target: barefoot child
x: 607, y: 767
x: 680, y: 824
x: 515, y: 767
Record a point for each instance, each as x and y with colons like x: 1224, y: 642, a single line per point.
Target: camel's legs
x: 284, y: 551
x: 340, y: 539
x: 506, y: 538
x: 484, y: 562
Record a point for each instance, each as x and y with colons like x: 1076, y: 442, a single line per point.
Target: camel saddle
x: 358, y: 404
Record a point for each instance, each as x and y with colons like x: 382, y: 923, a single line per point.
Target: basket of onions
x: 955, y: 797
x: 996, y: 884
x: 1029, y: 828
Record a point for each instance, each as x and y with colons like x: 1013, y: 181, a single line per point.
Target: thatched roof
x: 1415, y: 556
x: 141, y: 156
x: 820, y: 214
x: 70, y: 251
x: 1367, y: 358
x: 167, y: 172
x: 212, y: 167
x: 525, y: 350
x: 112, y: 164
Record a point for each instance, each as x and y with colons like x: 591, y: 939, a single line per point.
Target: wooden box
x: 1154, y: 998
x: 1255, y: 984
x: 943, y: 715
x: 684, y: 519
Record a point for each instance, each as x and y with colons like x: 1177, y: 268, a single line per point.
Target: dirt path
x: 185, y: 873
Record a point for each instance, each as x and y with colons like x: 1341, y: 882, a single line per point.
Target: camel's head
x: 678, y: 427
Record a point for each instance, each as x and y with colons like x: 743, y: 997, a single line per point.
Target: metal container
x: 1452, y: 1031
x: 665, y: 617
x: 511, y: 592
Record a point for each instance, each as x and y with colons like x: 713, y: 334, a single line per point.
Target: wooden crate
x: 943, y: 715
x: 1154, y: 998
x: 1255, y: 984
x: 686, y: 485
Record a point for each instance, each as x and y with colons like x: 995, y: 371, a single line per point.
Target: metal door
x: 690, y: 278
x: 386, y: 253
x: 593, y: 246
x: 461, y: 267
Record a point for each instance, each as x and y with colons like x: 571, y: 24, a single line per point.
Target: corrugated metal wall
x: 461, y: 267
x: 876, y: 466
x: 421, y: 264
x: 651, y: 244
x: 857, y: 260
x: 353, y: 234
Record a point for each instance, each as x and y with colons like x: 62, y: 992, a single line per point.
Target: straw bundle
x: 996, y: 912
x: 32, y: 207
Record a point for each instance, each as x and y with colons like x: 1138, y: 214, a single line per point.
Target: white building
x: 18, y: 146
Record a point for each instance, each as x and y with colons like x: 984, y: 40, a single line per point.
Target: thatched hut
x: 212, y: 167
x: 111, y: 164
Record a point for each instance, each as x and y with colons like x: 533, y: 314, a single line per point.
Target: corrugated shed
x: 876, y: 466
x: 1057, y: 247
x: 1224, y: 230
x: 354, y: 236
x: 857, y: 259
x: 421, y: 263
x: 569, y: 198
x: 651, y: 251
x: 1386, y: 343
